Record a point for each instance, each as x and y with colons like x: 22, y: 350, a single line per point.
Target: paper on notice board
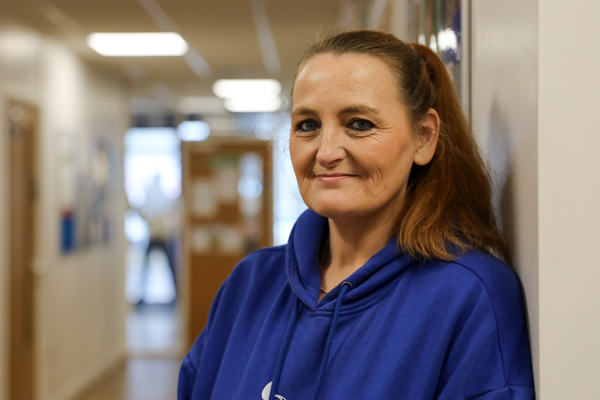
x: 226, y: 181
x: 205, y: 202
x: 202, y: 241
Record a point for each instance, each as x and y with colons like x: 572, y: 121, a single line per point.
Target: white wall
x: 535, y: 94
x: 79, y: 298
x: 504, y: 90
x: 569, y: 199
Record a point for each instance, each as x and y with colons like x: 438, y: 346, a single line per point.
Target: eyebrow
x: 303, y: 111
x: 347, y: 110
x: 357, y: 110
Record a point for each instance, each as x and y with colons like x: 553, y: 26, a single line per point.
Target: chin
x: 336, y: 209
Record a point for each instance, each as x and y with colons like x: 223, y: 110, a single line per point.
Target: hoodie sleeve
x: 189, y: 369
x: 187, y: 373
x: 488, y: 356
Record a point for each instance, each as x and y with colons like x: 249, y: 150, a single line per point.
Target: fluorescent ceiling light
x: 193, y: 131
x: 253, y: 104
x: 138, y: 44
x: 246, y: 88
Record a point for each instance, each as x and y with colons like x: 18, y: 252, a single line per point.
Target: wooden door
x: 228, y: 213
x: 23, y: 121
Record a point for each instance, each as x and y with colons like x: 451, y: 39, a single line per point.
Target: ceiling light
x: 259, y: 104
x: 193, y: 131
x: 246, y: 88
x: 138, y: 44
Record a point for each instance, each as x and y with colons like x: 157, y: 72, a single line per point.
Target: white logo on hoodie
x: 267, y: 392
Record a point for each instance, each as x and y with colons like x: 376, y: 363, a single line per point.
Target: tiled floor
x: 151, y: 371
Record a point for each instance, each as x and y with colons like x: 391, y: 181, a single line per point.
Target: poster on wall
x: 67, y: 190
x: 439, y: 25
x: 94, y: 183
x: 86, y: 184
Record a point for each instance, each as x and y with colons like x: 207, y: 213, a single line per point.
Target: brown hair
x: 447, y: 208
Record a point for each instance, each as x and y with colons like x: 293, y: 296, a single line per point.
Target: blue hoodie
x: 397, y: 328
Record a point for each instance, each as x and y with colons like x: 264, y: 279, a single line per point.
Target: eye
x: 361, y: 125
x: 308, y: 126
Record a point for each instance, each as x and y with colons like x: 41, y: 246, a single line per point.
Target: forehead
x: 350, y: 76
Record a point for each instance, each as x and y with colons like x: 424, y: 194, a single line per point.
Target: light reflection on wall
x: 150, y: 153
x: 287, y: 202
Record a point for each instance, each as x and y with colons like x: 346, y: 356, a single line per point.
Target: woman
x: 387, y: 287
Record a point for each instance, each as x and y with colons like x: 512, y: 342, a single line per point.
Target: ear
x: 428, y: 131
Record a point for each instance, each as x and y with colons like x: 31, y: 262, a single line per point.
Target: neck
x: 352, y: 243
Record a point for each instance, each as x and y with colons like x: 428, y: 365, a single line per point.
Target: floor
x: 141, y: 378
x: 153, y: 339
x: 150, y: 372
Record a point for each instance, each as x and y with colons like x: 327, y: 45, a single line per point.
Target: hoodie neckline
x: 302, y: 265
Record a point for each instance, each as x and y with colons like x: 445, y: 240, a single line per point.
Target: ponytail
x: 451, y: 197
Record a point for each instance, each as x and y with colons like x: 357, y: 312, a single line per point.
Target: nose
x: 331, y: 150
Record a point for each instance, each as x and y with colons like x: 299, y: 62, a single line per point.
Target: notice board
x: 227, y: 188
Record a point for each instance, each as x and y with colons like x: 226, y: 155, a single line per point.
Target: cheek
x: 294, y: 156
x: 391, y: 161
x: 299, y: 154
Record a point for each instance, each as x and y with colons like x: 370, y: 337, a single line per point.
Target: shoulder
x: 262, y: 260
x: 482, y: 299
x: 254, y: 283
x: 249, y: 290
x: 482, y: 286
x: 258, y: 270
x: 474, y: 265
x: 474, y: 278
x: 503, y: 303
x: 474, y: 268
x: 499, y: 281
x: 491, y: 271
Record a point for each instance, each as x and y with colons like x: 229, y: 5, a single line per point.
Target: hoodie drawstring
x: 346, y: 286
x: 285, y: 346
x: 336, y: 315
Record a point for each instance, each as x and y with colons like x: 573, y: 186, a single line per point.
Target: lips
x: 333, y: 178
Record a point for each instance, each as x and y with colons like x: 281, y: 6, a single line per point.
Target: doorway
x: 23, y: 125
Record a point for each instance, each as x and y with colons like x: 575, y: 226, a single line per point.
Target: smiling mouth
x: 333, y: 178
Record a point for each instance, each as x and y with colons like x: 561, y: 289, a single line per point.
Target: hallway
x: 145, y: 151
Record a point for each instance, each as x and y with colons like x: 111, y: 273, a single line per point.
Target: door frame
x: 23, y: 131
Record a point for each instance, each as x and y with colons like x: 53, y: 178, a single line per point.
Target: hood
x: 369, y: 283
x: 362, y: 289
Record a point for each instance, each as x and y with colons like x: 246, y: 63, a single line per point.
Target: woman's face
x: 351, y: 142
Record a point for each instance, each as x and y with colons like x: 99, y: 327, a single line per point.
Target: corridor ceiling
x: 228, y: 38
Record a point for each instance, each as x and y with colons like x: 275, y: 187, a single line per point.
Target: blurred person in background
x: 390, y: 285
x: 162, y: 217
